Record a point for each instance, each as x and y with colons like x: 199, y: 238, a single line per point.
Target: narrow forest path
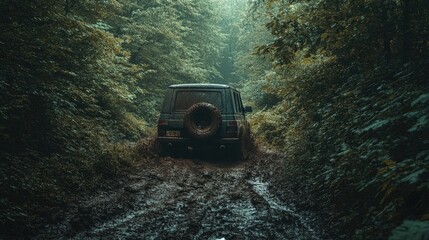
x: 170, y: 198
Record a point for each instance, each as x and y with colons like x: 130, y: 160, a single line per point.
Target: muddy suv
x: 201, y: 116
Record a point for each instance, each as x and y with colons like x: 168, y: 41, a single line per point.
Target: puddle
x: 143, y: 205
x: 261, y: 188
x: 189, y: 201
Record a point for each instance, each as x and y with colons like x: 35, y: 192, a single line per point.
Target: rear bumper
x: 192, y: 141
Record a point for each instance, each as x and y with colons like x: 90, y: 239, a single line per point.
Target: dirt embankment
x: 173, y: 198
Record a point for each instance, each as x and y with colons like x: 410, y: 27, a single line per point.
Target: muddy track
x: 187, y: 199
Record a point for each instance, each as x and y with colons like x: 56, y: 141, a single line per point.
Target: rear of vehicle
x: 202, y: 116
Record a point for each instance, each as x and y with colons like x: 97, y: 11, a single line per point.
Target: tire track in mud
x: 186, y: 199
x: 261, y: 188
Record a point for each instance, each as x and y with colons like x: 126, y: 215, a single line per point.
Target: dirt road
x: 169, y: 198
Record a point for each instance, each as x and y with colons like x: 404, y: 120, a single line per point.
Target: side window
x: 240, y: 103
x: 237, y: 103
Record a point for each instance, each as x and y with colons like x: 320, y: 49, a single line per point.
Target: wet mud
x: 192, y: 198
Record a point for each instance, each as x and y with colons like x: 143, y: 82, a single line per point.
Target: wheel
x: 241, y: 151
x: 202, y: 120
x: 162, y: 149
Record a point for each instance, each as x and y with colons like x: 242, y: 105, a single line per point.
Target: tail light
x: 231, y: 129
x: 162, y: 123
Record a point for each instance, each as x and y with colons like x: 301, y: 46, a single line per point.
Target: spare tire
x: 202, y: 120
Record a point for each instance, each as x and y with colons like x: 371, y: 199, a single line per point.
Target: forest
x: 340, y: 87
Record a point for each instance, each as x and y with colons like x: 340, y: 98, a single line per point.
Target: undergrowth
x: 38, y: 187
x: 360, y: 149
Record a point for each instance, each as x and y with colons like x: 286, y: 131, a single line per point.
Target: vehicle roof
x: 200, y: 85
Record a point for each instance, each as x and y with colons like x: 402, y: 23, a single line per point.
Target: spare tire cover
x: 202, y: 120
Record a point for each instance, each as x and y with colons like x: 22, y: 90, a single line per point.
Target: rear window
x: 185, y: 99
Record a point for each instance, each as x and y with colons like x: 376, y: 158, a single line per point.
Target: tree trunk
x: 425, y: 30
x: 386, y: 29
x: 406, y: 31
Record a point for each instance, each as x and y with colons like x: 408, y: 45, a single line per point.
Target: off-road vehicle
x: 201, y: 116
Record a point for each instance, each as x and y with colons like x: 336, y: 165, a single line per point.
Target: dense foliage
x: 79, y: 80
x: 352, y: 77
x: 340, y: 86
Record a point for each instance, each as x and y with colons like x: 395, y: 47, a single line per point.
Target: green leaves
x: 342, y: 77
x: 411, y: 230
x: 422, y: 99
x: 176, y: 40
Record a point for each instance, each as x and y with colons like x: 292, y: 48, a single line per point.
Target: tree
x: 350, y: 76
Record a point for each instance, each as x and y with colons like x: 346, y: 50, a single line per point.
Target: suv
x: 198, y: 116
